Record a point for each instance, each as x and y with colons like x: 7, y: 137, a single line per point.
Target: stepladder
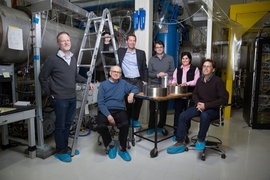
x: 97, y: 26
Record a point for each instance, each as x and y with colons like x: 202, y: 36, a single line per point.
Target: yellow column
x: 246, y: 15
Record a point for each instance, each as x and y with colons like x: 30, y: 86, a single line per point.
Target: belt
x: 133, y: 79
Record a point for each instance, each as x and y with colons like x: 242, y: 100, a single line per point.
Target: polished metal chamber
x: 156, y: 90
x: 177, y: 89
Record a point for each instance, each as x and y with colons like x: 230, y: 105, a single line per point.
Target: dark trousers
x: 121, y: 121
x: 133, y: 110
x: 205, y: 119
x: 163, y: 106
x: 180, y: 105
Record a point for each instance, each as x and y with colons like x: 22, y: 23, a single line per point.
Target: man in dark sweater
x: 58, y: 78
x: 111, y: 102
x: 209, y: 94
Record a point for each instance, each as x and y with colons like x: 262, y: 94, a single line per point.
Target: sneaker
x: 136, y: 123
x: 174, y: 138
x: 124, y: 155
x: 200, y: 145
x: 176, y: 148
x: 150, y: 131
x: 77, y: 152
x: 63, y: 157
x: 112, y: 152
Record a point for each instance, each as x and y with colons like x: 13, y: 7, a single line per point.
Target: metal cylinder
x: 170, y: 37
x: 15, y: 18
x: 156, y: 91
x: 164, y: 81
x: 177, y: 89
x: 18, y: 19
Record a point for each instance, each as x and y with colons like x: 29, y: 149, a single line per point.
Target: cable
x: 45, y: 26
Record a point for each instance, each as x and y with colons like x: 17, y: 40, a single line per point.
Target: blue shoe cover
x: 174, y: 138
x: 63, y: 157
x: 176, y: 149
x: 150, y: 131
x: 200, y: 146
x: 112, y: 152
x: 136, y: 123
x: 124, y: 155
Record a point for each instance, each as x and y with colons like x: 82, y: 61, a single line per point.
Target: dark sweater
x: 62, y: 77
x: 111, y: 95
x: 212, y: 93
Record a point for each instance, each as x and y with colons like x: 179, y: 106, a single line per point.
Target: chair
x: 212, y: 142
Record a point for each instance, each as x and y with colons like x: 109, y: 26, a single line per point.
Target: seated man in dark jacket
x: 209, y: 94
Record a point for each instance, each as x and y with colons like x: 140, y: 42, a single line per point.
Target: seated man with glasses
x: 111, y: 104
x: 209, y: 94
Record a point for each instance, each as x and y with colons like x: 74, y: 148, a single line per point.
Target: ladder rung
x: 110, y: 36
x: 91, y: 33
x: 107, y: 66
x: 88, y: 49
x: 99, y: 20
x: 84, y: 65
x: 96, y: 18
x: 106, y: 52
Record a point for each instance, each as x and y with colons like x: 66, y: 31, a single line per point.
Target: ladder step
x: 91, y: 33
x: 106, y: 52
x: 84, y: 65
x: 88, y: 49
x: 96, y: 18
x: 109, y: 36
x: 108, y: 66
x: 99, y: 20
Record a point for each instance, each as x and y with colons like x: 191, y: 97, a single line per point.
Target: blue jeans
x: 205, y: 119
x: 64, y: 110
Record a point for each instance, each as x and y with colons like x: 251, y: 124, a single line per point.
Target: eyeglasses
x: 159, y: 47
x: 117, y: 72
x: 204, y: 66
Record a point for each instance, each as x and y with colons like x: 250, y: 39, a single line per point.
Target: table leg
x: 31, y: 138
x: 154, y: 152
x: 5, y: 141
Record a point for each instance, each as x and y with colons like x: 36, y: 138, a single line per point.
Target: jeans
x: 64, y: 110
x: 205, y: 120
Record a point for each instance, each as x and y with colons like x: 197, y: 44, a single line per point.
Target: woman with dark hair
x: 185, y: 75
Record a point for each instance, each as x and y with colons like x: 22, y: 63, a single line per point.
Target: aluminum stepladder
x: 98, y: 23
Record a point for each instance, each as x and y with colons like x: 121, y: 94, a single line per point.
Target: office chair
x: 214, y: 143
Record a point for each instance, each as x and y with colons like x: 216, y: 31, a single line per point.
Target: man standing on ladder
x: 61, y: 69
x: 133, y: 63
